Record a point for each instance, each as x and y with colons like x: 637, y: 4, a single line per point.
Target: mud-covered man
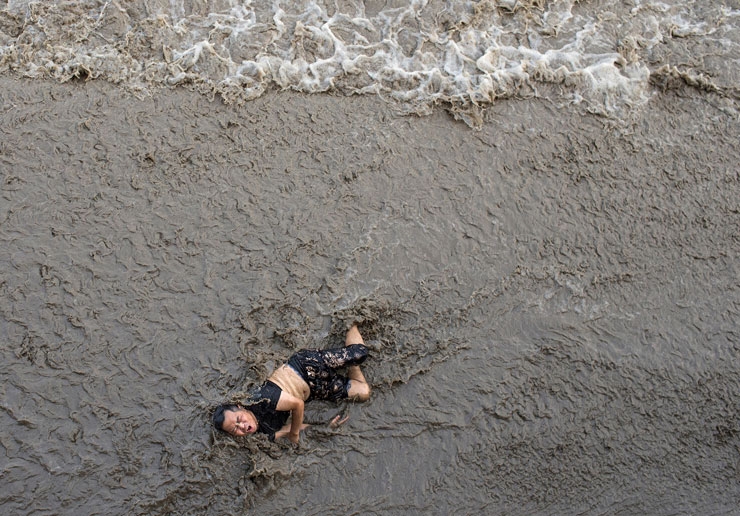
x: 309, y: 374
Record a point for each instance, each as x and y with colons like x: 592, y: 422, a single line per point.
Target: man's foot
x: 353, y: 336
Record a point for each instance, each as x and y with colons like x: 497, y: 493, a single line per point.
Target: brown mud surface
x: 552, y: 303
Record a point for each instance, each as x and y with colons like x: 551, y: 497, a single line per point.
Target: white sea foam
x: 419, y: 53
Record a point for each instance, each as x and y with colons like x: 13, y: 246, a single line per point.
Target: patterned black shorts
x: 318, y: 367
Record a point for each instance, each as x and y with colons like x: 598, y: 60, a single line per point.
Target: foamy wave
x: 418, y: 53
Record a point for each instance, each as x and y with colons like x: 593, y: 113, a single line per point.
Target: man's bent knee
x: 358, y: 391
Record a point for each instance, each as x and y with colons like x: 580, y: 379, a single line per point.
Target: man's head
x: 234, y: 420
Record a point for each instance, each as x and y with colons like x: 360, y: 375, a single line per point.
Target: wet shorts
x: 318, y: 368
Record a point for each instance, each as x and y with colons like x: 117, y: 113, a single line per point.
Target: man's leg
x: 359, y: 389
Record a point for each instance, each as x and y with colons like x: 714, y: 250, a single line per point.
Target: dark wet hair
x: 218, y: 415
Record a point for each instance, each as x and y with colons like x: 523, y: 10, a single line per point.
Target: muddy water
x: 552, y: 303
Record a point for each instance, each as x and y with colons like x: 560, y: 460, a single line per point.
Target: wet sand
x: 552, y: 303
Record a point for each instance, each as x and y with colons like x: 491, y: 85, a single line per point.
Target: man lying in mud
x: 308, y: 375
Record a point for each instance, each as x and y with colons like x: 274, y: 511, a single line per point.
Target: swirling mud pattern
x: 531, y: 209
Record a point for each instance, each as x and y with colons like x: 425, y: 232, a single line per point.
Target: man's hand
x: 285, y: 432
x: 338, y: 421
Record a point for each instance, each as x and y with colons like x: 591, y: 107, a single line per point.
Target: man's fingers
x: 338, y: 421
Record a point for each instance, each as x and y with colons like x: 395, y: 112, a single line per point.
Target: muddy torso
x: 291, y: 382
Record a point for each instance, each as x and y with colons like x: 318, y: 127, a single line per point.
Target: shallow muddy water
x: 551, y: 302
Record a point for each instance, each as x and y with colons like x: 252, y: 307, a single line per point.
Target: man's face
x: 239, y: 422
